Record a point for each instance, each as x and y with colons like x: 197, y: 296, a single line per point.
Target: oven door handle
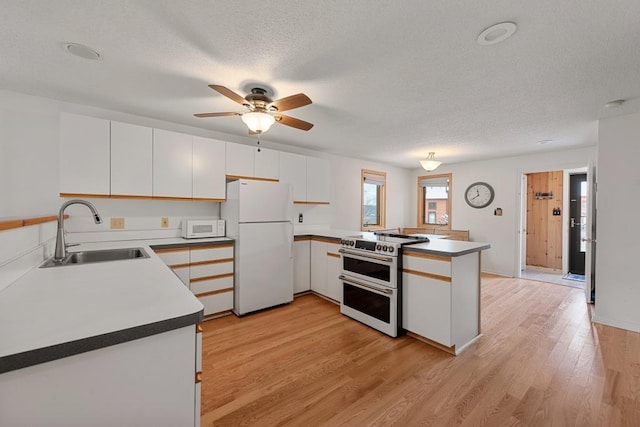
x: 377, y: 258
x: 356, y: 282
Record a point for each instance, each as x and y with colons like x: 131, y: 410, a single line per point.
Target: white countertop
x: 51, y: 306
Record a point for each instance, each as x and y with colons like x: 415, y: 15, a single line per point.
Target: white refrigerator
x: 258, y: 216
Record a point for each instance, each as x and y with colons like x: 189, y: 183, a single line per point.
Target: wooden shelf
x: 7, y: 224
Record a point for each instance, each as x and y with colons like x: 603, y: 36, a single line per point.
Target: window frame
x: 382, y: 201
x: 421, y: 202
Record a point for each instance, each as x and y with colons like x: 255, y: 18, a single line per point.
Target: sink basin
x: 89, y: 257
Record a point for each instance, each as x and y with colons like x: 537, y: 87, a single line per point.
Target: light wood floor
x: 540, y: 362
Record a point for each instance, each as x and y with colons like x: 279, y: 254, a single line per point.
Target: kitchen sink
x: 89, y: 257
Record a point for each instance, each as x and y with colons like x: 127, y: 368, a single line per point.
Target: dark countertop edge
x: 59, y: 351
x: 319, y: 236
x: 447, y: 253
x: 190, y: 244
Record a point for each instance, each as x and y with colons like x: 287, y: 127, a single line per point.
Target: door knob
x: 588, y: 240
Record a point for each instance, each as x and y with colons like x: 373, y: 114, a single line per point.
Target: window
x: 373, y: 199
x: 434, y: 201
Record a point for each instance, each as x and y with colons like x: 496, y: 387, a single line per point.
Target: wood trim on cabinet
x: 234, y: 177
x: 90, y: 196
x: 169, y: 250
x: 123, y: 196
x: 171, y: 198
x: 428, y: 275
x: 301, y: 238
x: 216, y: 314
x: 335, y: 241
x: 25, y: 222
x: 333, y: 255
x: 130, y: 196
x: 450, y: 350
x: 428, y: 256
x: 213, y: 261
x: 205, y: 278
x: 216, y: 292
x: 185, y: 265
x: 219, y: 245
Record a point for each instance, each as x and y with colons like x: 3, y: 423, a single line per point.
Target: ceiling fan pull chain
x: 258, y: 143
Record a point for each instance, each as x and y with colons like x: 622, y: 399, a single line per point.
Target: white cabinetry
x: 334, y: 284
x: 317, y: 180
x: 209, y: 181
x: 293, y: 170
x: 319, y: 267
x: 84, y: 155
x: 172, y: 164
x: 244, y: 161
x: 207, y: 270
x: 301, y: 265
x: 441, y: 298
x: 131, y: 160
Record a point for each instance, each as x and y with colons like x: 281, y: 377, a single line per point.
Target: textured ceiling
x: 390, y: 80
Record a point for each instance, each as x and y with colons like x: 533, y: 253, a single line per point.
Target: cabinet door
x: 426, y: 307
x: 84, y: 155
x: 209, y: 181
x: 301, y: 266
x: 317, y: 180
x: 334, y: 284
x: 266, y: 164
x: 131, y: 160
x: 240, y: 160
x: 172, y: 164
x: 319, y: 267
x: 293, y: 170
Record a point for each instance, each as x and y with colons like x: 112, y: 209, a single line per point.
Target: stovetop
x: 384, y: 243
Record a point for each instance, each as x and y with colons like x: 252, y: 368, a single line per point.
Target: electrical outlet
x: 300, y: 217
x: 117, y: 223
x: 164, y: 222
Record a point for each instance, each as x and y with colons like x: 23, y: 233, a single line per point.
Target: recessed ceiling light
x: 497, y: 33
x: 614, y: 104
x: 82, y: 51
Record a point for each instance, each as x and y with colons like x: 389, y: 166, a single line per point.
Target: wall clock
x: 479, y: 195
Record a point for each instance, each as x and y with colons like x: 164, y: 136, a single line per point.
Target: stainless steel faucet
x: 61, y: 247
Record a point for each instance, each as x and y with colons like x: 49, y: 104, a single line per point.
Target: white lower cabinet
x: 334, y: 284
x: 319, y: 267
x: 441, y: 298
x: 301, y: 265
x: 207, y: 270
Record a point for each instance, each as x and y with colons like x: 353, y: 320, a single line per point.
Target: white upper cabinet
x: 266, y: 164
x: 131, y: 160
x: 317, y: 180
x: 240, y: 160
x: 293, y: 170
x: 84, y: 155
x: 172, y: 164
x: 209, y: 181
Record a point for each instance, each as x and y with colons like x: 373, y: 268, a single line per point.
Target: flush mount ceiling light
x: 82, y: 51
x: 497, y: 33
x: 430, y: 164
x: 257, y: 121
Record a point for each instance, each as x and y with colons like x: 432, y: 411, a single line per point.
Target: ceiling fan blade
x: 229, y: 94
x: 291, y: 102
x: 217, y: 114
x: 293, y: 122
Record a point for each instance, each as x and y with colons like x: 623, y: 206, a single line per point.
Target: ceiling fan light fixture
x: 430, y: 163
x: 258, y: 121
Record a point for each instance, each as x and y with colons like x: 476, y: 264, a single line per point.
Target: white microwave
x: 199, y: 228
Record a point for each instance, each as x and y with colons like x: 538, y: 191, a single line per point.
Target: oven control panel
x: 370, y: 246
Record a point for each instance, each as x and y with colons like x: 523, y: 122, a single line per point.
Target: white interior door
x: 590, y: 240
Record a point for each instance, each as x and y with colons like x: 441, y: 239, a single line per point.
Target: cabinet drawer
x: 210, y: 285
x: 183, y: 274
x: 175, y: 256
x: 209, y: 253
x: 216, y: 269
x: 440, y: 266
x: 217, y: 303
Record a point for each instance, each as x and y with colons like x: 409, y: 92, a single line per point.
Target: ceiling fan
x: 263, y: 111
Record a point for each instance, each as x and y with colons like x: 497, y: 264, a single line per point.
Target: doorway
x: 577, y: 224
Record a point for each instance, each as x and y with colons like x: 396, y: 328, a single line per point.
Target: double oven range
x: 371, y: 279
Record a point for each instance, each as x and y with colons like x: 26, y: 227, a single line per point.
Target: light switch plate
x: 117, y: 223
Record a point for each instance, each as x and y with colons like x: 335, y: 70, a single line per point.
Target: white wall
x: 504, y: 176
x: 618, y: 239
